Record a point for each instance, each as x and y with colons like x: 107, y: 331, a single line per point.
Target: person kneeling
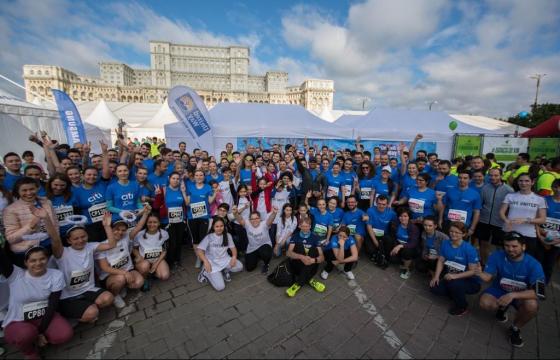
x: 341, y: 249
x: 149, y: 250
x: 517, y: 279
x: 305, y: 254
x: 213, y: 252
x: 402, y: 245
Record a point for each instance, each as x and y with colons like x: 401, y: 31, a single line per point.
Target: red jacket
x: 267, y: 191
x: 160, y: 206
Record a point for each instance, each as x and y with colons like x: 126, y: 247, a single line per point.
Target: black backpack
x: 281, y: 276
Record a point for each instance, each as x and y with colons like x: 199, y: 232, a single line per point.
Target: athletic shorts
x: 498, y: 293
x: 74, y: 307
x: 487, y: 232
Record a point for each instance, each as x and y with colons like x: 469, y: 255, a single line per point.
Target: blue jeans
x: 457, y: 290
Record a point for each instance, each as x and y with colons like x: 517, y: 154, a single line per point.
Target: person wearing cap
x: 81, y: 299
x: 515, y: 276
x: 384, y: 185
x: 117, y: 269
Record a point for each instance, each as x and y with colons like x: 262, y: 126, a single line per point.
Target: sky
x: 472, y: 57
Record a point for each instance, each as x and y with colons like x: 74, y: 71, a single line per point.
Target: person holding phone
x: 517, y: 280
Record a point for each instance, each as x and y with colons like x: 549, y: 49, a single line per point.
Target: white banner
x: 505, y: 148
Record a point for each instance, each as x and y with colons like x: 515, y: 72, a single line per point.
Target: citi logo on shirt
x: 95, y: 196
x: 127, y: 196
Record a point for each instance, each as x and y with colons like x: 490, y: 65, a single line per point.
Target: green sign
x: 547, y: 146
x: 467, y: 145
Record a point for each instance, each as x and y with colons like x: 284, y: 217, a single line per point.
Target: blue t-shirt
x: 473, y: 186
x: 174, y: 202
x: 245, y: 176
x: 124, y: 197
x: 366, y: 187
x: 42, y: 190
x: 308, y: 240
x: 334, y: 184
x: 147, y: 190
x: 199, y: 208
x: 160, y: 180
x: 92, y: 202
x: 10, y: 180
x: 63, y: 208
x: 459, y: 205
x: 447, y: 183
x: 348, y: 181
x: 353, y: 220
x: 421, y: 203
x: 552, y: 224
x: 407, y: 183
x: 149, y: 164
x: 321, y: 222
x: 380, y: 221
x: 429, y: 244
x: 333, y: 243
x: 513, y: 275
x: 457, y: 260
x: 402, y: 235
x: 337, y: 215
x: 381, y: 188
x: 209, y: 178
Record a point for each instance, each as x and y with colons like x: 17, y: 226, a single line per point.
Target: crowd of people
x: 89, y: 227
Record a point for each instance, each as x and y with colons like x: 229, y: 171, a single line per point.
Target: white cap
x: 387, y: 168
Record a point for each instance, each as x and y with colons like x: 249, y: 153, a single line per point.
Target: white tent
x: 230, y: 121
x: 490, y: 124
x: 154, y: 126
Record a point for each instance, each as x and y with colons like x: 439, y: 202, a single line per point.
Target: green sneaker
x: 318, y: 286
x: 292, y: 290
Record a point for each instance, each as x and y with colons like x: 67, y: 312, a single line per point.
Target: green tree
x: 537, y: 115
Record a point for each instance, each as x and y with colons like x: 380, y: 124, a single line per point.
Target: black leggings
x: 404, y: 254
x: 198, y: 229
x: 329, y: 258
x: 240, y: 239
x: 303, y: 273
x: 176, y: 233
x: 263, y: 253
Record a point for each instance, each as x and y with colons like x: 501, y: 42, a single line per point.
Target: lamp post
x: 431, y: 103
x: 538, y: 78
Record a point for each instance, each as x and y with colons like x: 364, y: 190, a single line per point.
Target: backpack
x: 281, y: 276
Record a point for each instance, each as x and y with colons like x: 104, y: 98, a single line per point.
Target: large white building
x: 218, y: 74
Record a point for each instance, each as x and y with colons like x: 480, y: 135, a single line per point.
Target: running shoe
x: 405, y: 274
x: 349, y: 275
x: 147, y: 285
x: 227, y: 275
x: 318, y: 286
x: 324, y: 275
x: 292, y: 290
x: 455, y: 311
x: 501, y: 315
x: 264, y: 269
x: 202, y: 278
x: 515, y: 337
x: 119, y: 302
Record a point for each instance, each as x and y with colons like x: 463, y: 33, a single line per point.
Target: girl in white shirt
x: 285, y: 226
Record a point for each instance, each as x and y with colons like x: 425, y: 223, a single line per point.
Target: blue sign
x: 70, y: 117
x: 191, y: 111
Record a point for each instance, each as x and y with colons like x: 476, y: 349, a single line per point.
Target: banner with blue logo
x: 190, y: 110
x: 70, y: 117
x: 385, y: 146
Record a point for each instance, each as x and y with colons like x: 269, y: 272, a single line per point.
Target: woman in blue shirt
x: 322, y: 219
x: 59, y: 192
x: 366, y: 181
x: 341, y: 249
x: 123, y: 195
x: 92, y: 204
x: 458, y: 261
x: 384, y: 185
x: 402, y: 244
x: 200, y: 195
x: 421, y: 200
x: 336, y: 212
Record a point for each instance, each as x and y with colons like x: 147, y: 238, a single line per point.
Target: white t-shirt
x: 29, y: 295
x: 216, y: 254
x: 524, y: 206
x: 246, y: 212
x: 151, y: 247
x: 257, y: 236
x: 279, y: 199
x: 77, y: 266
x: 118, y: 257
x: 227, y: 197
x: 282, y: 230
x: 261, y: 207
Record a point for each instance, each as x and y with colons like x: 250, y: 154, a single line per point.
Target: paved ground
x: 376, y: 316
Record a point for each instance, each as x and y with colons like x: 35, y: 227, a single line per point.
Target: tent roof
x: 550, y: 127
x: 163, y: 117
x: 134, y: 114
x: 487, y: 123
x: 103, y: 117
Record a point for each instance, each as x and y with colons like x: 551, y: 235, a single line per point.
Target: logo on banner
x: 194, y: 116
x: 70, y: 117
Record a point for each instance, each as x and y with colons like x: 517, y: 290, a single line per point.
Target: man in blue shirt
x: 12, y: 162
x: 379, y: 220
x: 159, y: 176
x: 515, y: 276
x: 462, y: 204
x: 445, y: 181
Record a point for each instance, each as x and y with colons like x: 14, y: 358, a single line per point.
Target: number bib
x: 442, y: 193
x: 199, y: 210
x: 457, y: 215
x: 365, y: 193
x: 97, y: 211
x: 552, y: 228
x: 510, y: 285
x: 175, y: 214
x: 320, y: 230
x: 35, y: 310
x: 332, y: 191
x: 454, y: 267
x: 416, y: 205
x: 62, y: 212
x: 152, y: 254
x: 347, y: 189
x: 119, y: 262
x: 79, y: 279
x: 432, y: 252
x: 378, y: 232
x: 352, y: 229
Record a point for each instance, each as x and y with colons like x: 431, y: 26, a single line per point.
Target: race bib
x: 97, y: 211
x: 35, y: 310
x: 332, y: 191
x: 442, y: 193
x: 62, y: 212
x: 402, y: 241
x: 320, y: 230
x: 378, y: 232
x: 79, y: 279
x: 454, y: 267
x: 432, y: 252
x: 152, y: 254
x: 416, y: 205
x: 510, y: 285
x: 365, y: 193
x: 457, y: 215
x: 347, y: 190
x: 119, y: 263
x: 199, y: 210
x: 175, y: 214
x: 552, y: 228
x: 352, y: 229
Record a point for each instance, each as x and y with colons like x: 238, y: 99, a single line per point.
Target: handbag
x: 281, y: 276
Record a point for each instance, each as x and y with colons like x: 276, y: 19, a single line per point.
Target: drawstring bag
x: 281, y: 276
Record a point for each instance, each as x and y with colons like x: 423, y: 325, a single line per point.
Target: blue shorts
x: 498, y: 292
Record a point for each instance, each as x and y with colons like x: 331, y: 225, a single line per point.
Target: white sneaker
x: 324, y: 275
x: 198, y: 263
x: 119, y: 302
x: 349, y: 275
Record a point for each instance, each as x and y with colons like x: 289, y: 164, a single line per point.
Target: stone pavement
x: 377, y: 316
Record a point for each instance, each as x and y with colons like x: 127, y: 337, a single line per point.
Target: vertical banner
x: 190, y: 110
x: 505, y: 148
x: 550, y: 147
x: 467, y: 145
x: 70, y: 117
